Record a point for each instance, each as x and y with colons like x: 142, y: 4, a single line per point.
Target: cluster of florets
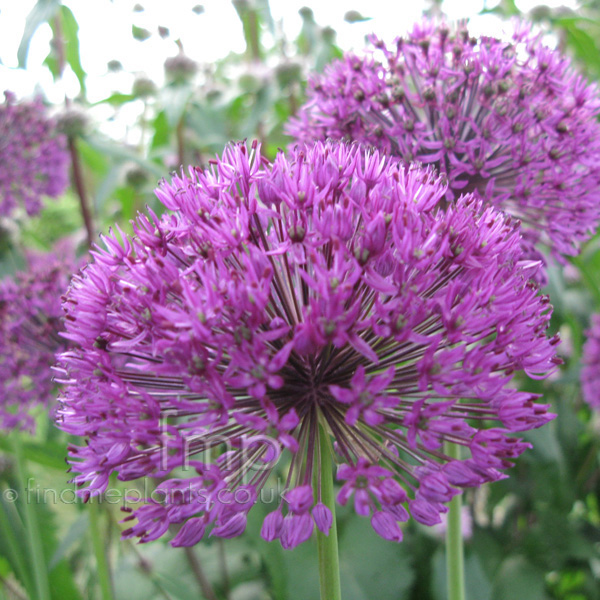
x: 33, y: 157
x: 508, y: 120
x: 30, y: 322
x: 590, y: 364
x: 321, y: 296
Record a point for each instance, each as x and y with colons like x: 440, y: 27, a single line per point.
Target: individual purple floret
x: 322, y: 290
x: 590, y: 364
x: 33, y: 156
x: 508, y: 120
x: 30, y: 321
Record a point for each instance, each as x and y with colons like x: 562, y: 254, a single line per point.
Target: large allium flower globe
x: 508, y: 120
x: 33, y: 156
x: 590, y: 364
x: 30, y: 322
x: 324, y: 290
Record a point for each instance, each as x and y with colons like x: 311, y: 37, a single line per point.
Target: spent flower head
x: 322, y: 291
x: 30, y: 322
x: 33, y: 157
x: 509, y: 120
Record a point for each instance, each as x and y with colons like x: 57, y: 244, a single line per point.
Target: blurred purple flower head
x: 508, y: 120
x: 33, y: 157
x: 590, y: 364
x: 322, y: 290
x: 30, y: 321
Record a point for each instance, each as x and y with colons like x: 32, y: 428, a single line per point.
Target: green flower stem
x: 32, y: 528
x: 329, y: 562
x: 454, y: 541
x: 98, y: 543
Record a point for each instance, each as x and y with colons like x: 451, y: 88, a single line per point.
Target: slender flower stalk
x: 325, y: 289
x: 455, y: 568
x: 508, y: 120
x: 99, y: 546
x: 329, y: 562
x: 199, y: 574
x: 79, y: 184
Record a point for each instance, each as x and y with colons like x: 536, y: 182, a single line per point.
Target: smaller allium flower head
x: 508, y: 120
x: 33, y: 156
x: 322, y: 291
x: 590, y: 364
x: 30, y: 322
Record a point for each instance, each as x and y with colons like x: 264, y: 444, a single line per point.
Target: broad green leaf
x: 175, y: 99
x: 517, y: 578
x: 75, y: 533
x: 42, y: 12
x: 505, y: 8
x: 116, y: 99
x: 47, y: 454
x: 120, y: 153
x: 13, y: 546
x: 162, y: 131
x: 95, y: 160
x: 384, y: 567
x: 584, y: 45
x: 70, y: 32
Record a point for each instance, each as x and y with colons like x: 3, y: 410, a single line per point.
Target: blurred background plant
x: 535, y: 535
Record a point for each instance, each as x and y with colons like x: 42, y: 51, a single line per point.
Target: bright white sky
x: 105, y: 34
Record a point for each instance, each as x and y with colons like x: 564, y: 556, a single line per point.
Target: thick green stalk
x: 454, y: 540
x: 32, y: 529
x: 329, y: 562
x: 98, y: 543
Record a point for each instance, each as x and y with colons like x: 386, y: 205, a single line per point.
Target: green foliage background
x: 536, y: 535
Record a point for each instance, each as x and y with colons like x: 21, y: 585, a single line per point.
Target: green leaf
x: 120, y: 153
x: 162, y: 131
x: 70, y: 31
x: 12, y: 542
x: 175, y: 99
x: 251, y: 19
x: 368, y: 562
x: 106, y: 189
x: 139, y: 33
x: 116, y: 99
x: 208, y: 125
x: 505, y: 8
x: 94, y: 160
x: 517, y: 578
x: 126, y: 198
x: 584, y: 45
x: 302, y: 572
x: 75, y: 533
x: 47, y: 454
x: 42, y: 12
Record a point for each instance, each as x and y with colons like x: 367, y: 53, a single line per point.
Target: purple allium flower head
x: 590, y: 364
x: 30, y: 322
x: 322, y: 290
x: 33, y: 157
x: 508, y: 120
